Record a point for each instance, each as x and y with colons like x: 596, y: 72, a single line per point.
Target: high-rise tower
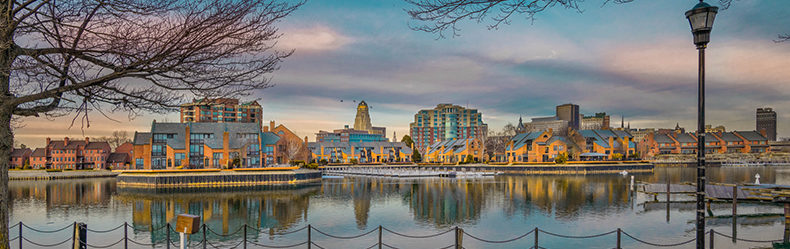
x: 766, y: 120
x: 362, y: 121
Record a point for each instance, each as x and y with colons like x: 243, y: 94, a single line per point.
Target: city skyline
x: 524, y: 69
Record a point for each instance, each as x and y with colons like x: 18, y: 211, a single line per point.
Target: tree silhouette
x: 75, y: 57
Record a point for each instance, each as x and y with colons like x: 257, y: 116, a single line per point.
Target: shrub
x: 561, y: 158
x: 354, y: 161
x: 617, y: 156
x: 311, y: 166
x: 28, y: 166
x: 323, y: 162
x: 68, y: 169
x: 52, y: 170
x: 296, y: 162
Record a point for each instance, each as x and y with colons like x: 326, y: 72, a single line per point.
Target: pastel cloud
x: 315, y: 38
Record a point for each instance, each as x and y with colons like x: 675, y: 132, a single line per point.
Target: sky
x: 635, y: 60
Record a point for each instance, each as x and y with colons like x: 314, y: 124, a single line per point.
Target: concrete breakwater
x: 32, y: 175
x: 217, y: 178
x: 530, y: 169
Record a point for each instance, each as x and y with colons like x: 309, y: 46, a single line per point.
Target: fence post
x: 619, y: 231
x: 459, y: 238
x: 80, y: 238
x: 309, y: 236
x: 125, y: 235
x: 20, y: 235
x: 536, y: 238
x: 379, y: 236
x: 205, y: 240
x: 167, y: 235
x: 712, y: 233
x: 245, y: 235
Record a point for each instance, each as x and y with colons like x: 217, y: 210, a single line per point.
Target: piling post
x: 245, y: 236
x: 167, y: 236
x: 459, y: 238
x: 20, y: 235
x: 712, y: 233
x: 80, y: 236
x: 619, y: 232
x: 205, y: 240
x: 787, y: 223
x: 380, y: 236
x: 734, y: 200
x: 125, y: 235
x: 309, y: 236
x: 536, y: 238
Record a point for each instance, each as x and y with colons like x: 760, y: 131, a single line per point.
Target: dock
x: 749, y: 192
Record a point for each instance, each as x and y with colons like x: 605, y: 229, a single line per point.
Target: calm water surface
x: 494, y: 208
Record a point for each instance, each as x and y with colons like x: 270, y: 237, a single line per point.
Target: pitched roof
x: 20, y: 152
x: 39, y: 152
x: 591, y: 134
x: 752, y: 135
x: 141, y: 138
x: 663, y: 138
x: 61, y: 145
x: 685, y: 138
x: 118, y: 158
x: 729, y: 137
x: 622, y: 134
x: 269, y: 138
x: 98, y: 145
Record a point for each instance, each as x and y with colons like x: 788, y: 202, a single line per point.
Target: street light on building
x: 701, y: 20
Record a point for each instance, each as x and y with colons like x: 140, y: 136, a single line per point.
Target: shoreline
x: 526, y: 169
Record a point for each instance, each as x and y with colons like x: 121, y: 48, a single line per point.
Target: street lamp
x: 701, y: 20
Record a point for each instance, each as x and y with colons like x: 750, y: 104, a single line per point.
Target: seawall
x: 216, y: 178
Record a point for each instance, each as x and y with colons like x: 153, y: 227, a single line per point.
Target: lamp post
x: 701, y: 20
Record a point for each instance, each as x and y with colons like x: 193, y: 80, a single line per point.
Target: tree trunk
x: 6, y: 145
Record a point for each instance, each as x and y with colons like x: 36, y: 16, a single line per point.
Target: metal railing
x: 458, y: 236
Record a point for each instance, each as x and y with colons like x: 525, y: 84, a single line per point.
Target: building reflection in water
x: 222, y: 212
x: 64, y: 193
x: 446, y: 202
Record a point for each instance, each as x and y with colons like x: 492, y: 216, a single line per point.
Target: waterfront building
x: 455, y: 151
x: 38, y: 159
x: 222, y: 110
x: 716, y: 143
x: 198, y: 145
x: 446, y: 122
x: 766, y: 120
x: 362, y: 121
x: 20, y: 157
x: 596, y: 122
x: 72, y: 154
x: 348, y: 135
x: 361, y: 152
x: 542, y: 146
x: 570, y: 113
x: 287, y: 147
x: 119, y: 161
x: 545, y: 146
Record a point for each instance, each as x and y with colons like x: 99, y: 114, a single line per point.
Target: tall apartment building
x: 223, y: 110
x: 766, y: 120
x: 570, y: 113
x: 446, y: 122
